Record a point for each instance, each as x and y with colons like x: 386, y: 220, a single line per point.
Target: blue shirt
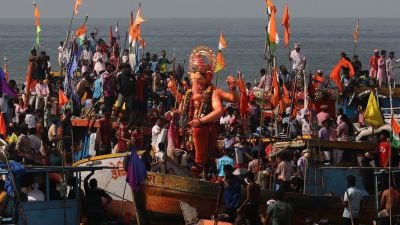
x: 232, y: 193
x: 98, y: 88
x: 224, y: 160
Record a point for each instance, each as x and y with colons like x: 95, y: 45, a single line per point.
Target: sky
x: 201, y: 8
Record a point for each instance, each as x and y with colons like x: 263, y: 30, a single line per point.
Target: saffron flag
x: 76, y: 6
x: 80, y: 33
x: 220, y: 62
x: 275, y: 87
x: 134, y: 27
x: 356, y: 33
x: 395, y: 138
x: 5, y: 89
x: 286, y: 25
x: 222, y: 42
x: 37, y: 24
x: 335, y: 74
x: 3, y: 126
x: 62, y: 98
x: 272, y: 34
x: 373, y: 114
x: 29, y: 83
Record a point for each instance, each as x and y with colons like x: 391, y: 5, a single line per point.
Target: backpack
x: 282, y: 213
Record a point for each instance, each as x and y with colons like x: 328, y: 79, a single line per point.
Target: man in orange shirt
x: 373, y: 63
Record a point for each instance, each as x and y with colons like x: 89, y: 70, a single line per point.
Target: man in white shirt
x: 35, y: 194
x: 42, y: 93
x: 87, y: 54
x: 265, y: 81
x: 155, y: 131
x: 30, y: 119
x: 297, y: 58
x: 99, y: 60
x: 390, y: 62
x: 352, y: 202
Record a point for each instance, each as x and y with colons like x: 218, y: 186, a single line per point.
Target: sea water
x: 322, y: 40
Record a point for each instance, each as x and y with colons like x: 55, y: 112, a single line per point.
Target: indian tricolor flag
x: 37, y: 24
x: 220, y: 58
x: 395, y: 138
x: 80, y: 33
x: 272, y: 34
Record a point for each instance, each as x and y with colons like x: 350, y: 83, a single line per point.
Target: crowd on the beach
x: 127, y: 106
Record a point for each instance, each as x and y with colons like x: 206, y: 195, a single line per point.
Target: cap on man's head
x: 297, y: 45
x: 320, y: 71
x: 323, y: 107
x: 376, y: 51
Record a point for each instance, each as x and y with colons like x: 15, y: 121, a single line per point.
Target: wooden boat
x: 164, y: 192
x: 312, y: 143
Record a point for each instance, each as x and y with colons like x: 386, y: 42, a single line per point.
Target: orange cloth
x: 275, y: 86
x: 62, y: 99
x: 205, y: 142
x: 285, y: 24
x: 335, y: 74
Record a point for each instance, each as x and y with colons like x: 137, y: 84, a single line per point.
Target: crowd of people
x: 138, y: 105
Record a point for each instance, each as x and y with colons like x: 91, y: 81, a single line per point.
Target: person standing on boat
x: 390, y: 200
x: 222, y: 162
x: 298, y: 63
x: 87, y: 55
x: 93, y: 41
x: 60, y: 50
x: 94, y: 204
x: 109, y: 87
x: 323, y: 114
x: 163, y: 62
x: 230, y: 190
x: 155, y: 131
x: 99, y: 60
x: 382, y: 75
x: 390, y: 62
x: 384, y: 151
x: 104, y: 135
x: 352, y: 202
x: 283, y: 172
x: 265, y: 81
x: 42, y: 93
x: 250, y: 205
x: 373, y: 63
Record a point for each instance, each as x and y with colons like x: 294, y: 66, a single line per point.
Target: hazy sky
x: 201, y: 8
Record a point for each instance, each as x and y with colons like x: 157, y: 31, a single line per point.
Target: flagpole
x: 356, y: 38
x: 390, y: 150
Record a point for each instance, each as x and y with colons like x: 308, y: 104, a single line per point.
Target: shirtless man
x: 390, y: 200
x: 250, y: 205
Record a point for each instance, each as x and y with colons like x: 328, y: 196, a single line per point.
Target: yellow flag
x: 373, y: 114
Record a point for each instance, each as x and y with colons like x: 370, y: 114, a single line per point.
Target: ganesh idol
x: 206, y: 104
